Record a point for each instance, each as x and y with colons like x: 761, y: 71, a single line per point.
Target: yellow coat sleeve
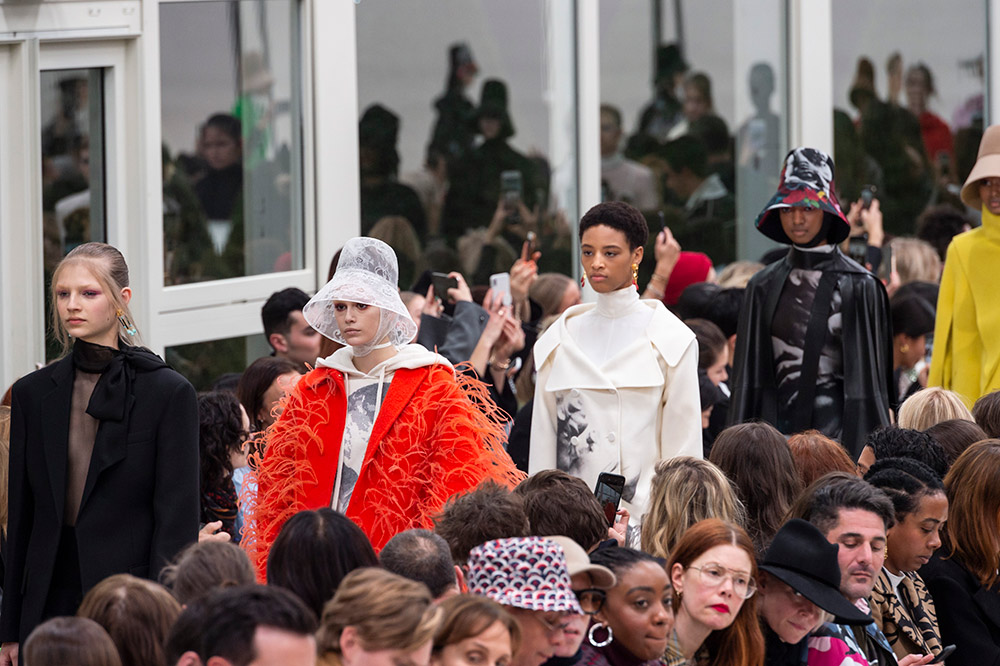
x: 957, y: 361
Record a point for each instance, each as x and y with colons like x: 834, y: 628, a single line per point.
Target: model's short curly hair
x: 488, y: 512
x: 621, y: 216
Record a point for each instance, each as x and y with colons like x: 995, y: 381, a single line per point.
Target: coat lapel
x: 55, y: 432
x: 110, y: 446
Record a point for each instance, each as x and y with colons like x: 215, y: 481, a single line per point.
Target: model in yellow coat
x: 966, y: 355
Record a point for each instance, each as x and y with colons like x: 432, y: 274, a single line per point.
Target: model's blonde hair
x: 931, y: 406
x: 108, y: 267
x: 387, y: 611
x: 684, y: 491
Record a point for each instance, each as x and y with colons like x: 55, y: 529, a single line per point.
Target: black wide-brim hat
x: 802, y: 558
x: 806, y: 181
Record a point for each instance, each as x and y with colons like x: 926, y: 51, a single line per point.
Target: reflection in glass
x: 206, y: 363
x: 73, y: 192
x: 233, y: 194
x: 454, y: 136
x: 909, y: 104
x: 691, y: 131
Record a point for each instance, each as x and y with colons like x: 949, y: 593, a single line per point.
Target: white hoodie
x: 365, y: 392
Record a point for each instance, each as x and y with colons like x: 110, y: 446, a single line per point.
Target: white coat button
x: 611, y: 436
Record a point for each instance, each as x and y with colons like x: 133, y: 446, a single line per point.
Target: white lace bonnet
x: 367, y: 273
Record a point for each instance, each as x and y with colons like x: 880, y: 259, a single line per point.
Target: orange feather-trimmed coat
x: 429, y: 442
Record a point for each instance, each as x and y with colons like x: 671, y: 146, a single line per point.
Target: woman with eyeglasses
x: 632, y: 621
x: 713, y: 573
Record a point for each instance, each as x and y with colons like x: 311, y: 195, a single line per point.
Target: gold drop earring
x: 635, y: 275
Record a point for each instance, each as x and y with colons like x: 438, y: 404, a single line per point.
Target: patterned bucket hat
x: 524, y: 572
x: 806, y: 181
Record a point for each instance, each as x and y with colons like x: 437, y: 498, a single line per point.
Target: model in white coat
x: 617, y: 385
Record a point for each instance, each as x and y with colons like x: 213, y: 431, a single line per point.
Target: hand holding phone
x: 608, y: 492
x: 442, y: 283
x: 500, y: 284
x: 943, y: 654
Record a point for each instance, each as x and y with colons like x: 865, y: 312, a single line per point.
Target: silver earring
x: 594, y: 641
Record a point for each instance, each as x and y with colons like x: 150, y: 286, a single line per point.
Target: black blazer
x: 968, y: 613
x: 140, y: 500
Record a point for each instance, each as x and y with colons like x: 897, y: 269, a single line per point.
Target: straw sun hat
x: 987, y: 166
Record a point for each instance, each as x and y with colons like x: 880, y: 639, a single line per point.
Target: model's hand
x: 9, y: 654
x: 210, y: 532
x: 461, y: 292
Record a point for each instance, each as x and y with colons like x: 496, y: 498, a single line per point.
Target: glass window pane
x: 205, y: 363
x: 458, y: 122
x: 232, y: 151
x: 693, y: 120
x: 908, y: 103
x: 73, y: 192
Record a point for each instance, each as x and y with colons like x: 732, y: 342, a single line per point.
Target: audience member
x: 425, y: 557
x: 851, y: 513
x: 474, y: 630
x: 183, y: 644
x: 714, y: 573
x: 453, y: 335
x: 737, y: 274
x: 377, y: 617
x: 559, y: 504
x: 69, y: 640
x: 626, y: 180
x: 709, y: 208
x: 955, y: 436
x: 660, y: 115
x: 529, y: 577
x: 986, y: 412
x: 633, y: 346
x: 246, y: 626
x: 815, y: 454
x: 453, y: 133
x: 713, y: 349
x: 223, y: 427
x: 742, y: 452
x: 691, y: 268
x: 685, y: 491
x: 590, y: 583
x: 912, y: 321
x: 897, y: 442
x: 799, y: 582
x: 931, y: 406
x: 962, y: 575
x: 287, y: 331
x: 712, y: 398
x: 314, y: 552
x: 937, y: 225
x: 486, y: 513
x: 204, y: 567
x: 554, y: 293
x: 262, y: 386
x: 633, y: 624
x: 136, y: 613
x: 900, y: 603
x: 382, y: 195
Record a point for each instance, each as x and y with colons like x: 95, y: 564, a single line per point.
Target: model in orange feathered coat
x: 429, y: 442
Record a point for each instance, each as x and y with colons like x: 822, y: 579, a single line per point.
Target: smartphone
x: 943, y: 654
x: 857, y: 249
x: 442, y: 283
x: 500, y: 284
x: 867, y: 196
x: 609, y: 493
x: 511, y: 190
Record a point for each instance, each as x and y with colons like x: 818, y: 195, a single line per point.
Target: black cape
x: 867, y: 349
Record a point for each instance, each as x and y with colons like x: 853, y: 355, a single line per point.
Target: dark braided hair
x: 905, y: 481
x: 220, y: 433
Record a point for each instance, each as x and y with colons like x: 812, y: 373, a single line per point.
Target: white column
x: 810, y: 74
x: 993, y: 63
x: 335, y: 128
